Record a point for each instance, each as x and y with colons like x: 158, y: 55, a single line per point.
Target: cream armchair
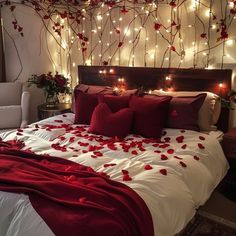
x: 14, y: 106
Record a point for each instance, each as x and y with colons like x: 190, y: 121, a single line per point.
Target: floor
x: 220, y: 209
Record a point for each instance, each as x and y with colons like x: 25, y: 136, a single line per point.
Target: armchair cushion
x: 10, y: 116
x: 14, y: 106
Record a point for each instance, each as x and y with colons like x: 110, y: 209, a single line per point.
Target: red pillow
x: 110, y: 124
x: 183, y: 112
x: 115, y: 103
x: 150, y: 115
x: 84, y: 106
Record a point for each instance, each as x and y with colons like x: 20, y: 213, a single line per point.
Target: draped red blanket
x: 72, y: 198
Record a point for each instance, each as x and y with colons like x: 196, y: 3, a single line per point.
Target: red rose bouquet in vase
x: 52, y: 85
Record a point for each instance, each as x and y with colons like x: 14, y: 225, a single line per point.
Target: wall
x: 142, y: 44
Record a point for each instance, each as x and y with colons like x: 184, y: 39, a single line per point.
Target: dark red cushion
x: 110, y: 124
x: 150, y: 115
x: 115, y: 103
x: 84, y: 106
x: 183, y: 112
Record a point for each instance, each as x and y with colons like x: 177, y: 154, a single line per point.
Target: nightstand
x: 228, y: 187
x: 45, y: 112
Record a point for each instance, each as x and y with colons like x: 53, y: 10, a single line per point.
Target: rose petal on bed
x: 108, y: 165
x: 148, y: 167
x: 64, y: 115
x: 155, y: 145
x: 184, y: 146
x: 20, y: 130
x: 142, y: 149
x: 157, y: 151
x: 179, y: 158
x: 98, y: 154
x: 180, y: 139
x: 35, y: 130
x: 72, y: 139
x: 170, y: 151
x: 165, y: 145
x: 93, y: 156
x: 134, y: 152
x: 202, y: 138
x: 182, y: 131
x: 182, y: 164
x: 125, y: 172
x: 127, y: 178
x: 196, y: 158
x: 164, y: 157
x: 19, y: 134
x: 200, y: 146
x: 84, y: 151
x: 36, y: 126
x: 58, y: 121
x: 163, y: 171
x: 167, y: 139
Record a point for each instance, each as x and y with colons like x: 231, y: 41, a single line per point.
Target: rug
x: 203, y: 226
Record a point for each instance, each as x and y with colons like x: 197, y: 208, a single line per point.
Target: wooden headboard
x: 214, y: 80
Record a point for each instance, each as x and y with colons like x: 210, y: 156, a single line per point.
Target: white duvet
x: 174, y: 177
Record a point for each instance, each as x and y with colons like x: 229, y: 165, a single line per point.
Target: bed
x: 173, y: 176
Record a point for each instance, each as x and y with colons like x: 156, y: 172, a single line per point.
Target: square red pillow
x: 115, y: 103
x: 84, y: 106
x: 183, y: 112
x: 110, y: 124
x: 150, y: 115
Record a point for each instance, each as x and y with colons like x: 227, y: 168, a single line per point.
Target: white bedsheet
x: 172, y: 199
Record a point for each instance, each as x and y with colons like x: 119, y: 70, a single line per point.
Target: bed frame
x: 215, y: 80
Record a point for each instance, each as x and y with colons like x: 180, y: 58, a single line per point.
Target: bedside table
x: 45, y: 112
x: 228, y: 187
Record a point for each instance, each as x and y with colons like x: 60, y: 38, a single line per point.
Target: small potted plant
x: 52, y: 85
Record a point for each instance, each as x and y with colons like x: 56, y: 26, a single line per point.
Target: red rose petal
x: 108, y: 165
x: 58, y: 121
x: 170, y: 151
x: 147, y: 167
x: 184, y: 146
x: 125, y: 172
x: 200, y: 146
x: 167, y: 139
x: 98, y: 154
x: 127, y: 178
x: 165, y: 145
x: 201, y: 138
x: 180, y: 139
x: 196, y: 158
x: 134, y: 152
x: 64, y: 115
x: 164, y: 157
x: 157, y: 151
x: 182, y: 131
x: 182, y: 164
x: 179, y: 158
x: 163, y: 171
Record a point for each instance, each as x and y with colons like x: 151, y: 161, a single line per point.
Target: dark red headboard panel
x: 215, y: 80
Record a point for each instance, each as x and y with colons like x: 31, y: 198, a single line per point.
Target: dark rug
x: 202, y: 226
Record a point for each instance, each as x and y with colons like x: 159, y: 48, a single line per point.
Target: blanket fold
x: 71, y: 198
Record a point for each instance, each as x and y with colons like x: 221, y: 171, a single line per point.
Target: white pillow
x: 209, y: 112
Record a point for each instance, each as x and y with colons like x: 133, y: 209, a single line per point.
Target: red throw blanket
x: 71, y: 198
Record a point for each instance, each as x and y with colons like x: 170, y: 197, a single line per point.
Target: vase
x: 51, y: 100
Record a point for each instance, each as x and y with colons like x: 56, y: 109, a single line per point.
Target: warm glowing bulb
x: 168, y: 78
x: 213, y: 27
x: 99, y: 17
x: 111, y: 70
x: 221, y: 85
x: 208, y: 13
x: 73, y: 64
x: 229, y: 42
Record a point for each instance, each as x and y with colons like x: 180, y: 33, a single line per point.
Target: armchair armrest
x: 25, y: 104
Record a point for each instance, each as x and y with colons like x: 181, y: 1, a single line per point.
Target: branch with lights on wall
x: 168, y: 33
